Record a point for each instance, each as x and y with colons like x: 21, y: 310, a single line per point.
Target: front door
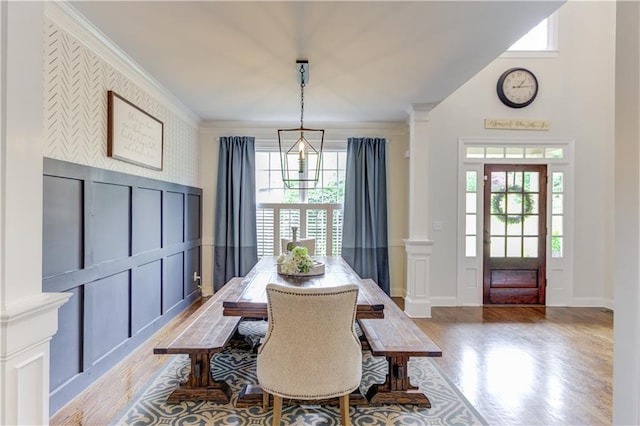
x: 514, y: 234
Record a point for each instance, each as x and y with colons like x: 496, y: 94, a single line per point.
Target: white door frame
x: 473, y: 154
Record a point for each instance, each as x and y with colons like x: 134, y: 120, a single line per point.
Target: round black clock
x: 517, y: 87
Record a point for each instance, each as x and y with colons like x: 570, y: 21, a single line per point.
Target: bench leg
x: 397, y: 389
x: 200, y: 385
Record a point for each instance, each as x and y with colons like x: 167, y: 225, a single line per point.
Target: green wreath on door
x: 498, y: 211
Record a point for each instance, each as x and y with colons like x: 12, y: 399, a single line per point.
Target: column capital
x: 420, y: 112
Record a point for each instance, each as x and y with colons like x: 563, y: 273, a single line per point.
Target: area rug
x: 236, y: 366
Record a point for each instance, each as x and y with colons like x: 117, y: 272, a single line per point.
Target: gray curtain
x: 364, y: 230
x: 235, y: 249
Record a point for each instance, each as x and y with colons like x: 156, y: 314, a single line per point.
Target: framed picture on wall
x: 133, y: 135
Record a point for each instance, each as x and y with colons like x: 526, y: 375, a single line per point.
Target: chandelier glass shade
x: 300, y: 148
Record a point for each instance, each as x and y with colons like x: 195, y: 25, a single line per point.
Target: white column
x: 417, y: 302
x: 626, y: 331
x: 28, y: 317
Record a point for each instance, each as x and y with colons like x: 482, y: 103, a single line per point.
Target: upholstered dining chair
x: 311, y: 351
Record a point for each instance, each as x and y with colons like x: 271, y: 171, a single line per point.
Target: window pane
x: 472, y: 181
x: 475, y: 152
x: 536, y: 39
x: 330, y: 160
x: 557, y: 179
x: 556, y: 204
x: 342, y: 160
x: 275, y: 161
x: 262, y: 160
x: 556, y: 225
x: 514, y: 247
x: 497, y: 247
x: 470, y: 246
x: 554, y: 152
x: 471, y: 203
x: 556, y: 247
x: 515, y: 152
x: 530, y: 248
x: 534, y: 152
x: 470, y: 225
x: 497, y: 204
x: 495, y: 152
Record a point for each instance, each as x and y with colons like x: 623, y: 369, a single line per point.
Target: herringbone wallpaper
x: 76, y: 85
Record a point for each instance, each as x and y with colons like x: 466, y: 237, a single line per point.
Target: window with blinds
x: 315, y: 210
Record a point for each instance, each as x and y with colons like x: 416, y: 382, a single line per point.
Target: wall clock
x: 517, y: 87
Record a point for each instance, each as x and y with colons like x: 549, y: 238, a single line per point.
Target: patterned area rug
x: 236, y: 366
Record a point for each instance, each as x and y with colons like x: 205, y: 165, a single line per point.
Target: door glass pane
x: 471, y: 202
x: 531, y: 225
x: 514, y: 228
x: 497, y: 247
x: 514, y: 203
x: 530, y: 248
x: 497, y: 204
x: 530, y: 203
x: 514, y: 246
x: 531, y: 181
x: 470, y: 224
x: 514, y: 181
x: 498, y: 180
x: 497, y: 225
x: 556, y: 204
x: 470, y: 246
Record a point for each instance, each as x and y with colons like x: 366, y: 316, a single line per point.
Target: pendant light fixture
x: 300, y: 148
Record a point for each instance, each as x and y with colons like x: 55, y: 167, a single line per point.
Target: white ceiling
x: 369, y: 61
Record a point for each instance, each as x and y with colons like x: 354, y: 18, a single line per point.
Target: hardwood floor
x: 516, y: 365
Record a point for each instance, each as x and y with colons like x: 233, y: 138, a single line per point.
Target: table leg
x: 200, y: 385
x: 397, y: 389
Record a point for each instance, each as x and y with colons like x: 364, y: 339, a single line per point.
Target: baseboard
x: 444, y: 301
x: 592, y: 302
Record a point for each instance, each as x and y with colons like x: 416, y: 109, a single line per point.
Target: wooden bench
x: 397, y: 338
x: 205, y: 333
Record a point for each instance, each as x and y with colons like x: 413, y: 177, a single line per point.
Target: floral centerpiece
x: 298, y: 262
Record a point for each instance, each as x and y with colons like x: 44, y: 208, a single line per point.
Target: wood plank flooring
x: 516, y: 365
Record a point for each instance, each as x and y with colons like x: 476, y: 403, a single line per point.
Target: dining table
x: 252, y: 302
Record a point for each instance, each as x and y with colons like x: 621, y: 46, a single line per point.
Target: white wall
x: 626, y: 363
x: 396, y: 135
x: 577, y: 97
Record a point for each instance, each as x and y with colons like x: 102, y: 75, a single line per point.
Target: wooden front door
x: 514, y: 234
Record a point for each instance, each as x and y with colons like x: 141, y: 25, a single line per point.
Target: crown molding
x: 86, y: 33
